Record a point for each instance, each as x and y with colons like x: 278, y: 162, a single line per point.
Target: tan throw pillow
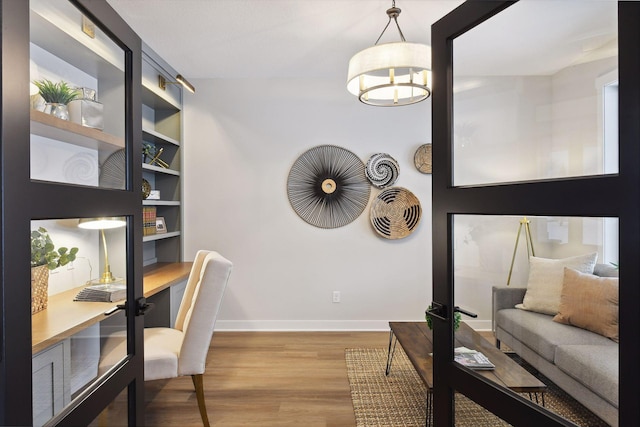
x: 589, y: 302
x: 545, y: 281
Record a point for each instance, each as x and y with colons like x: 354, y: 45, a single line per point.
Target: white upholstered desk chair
x: 181, y: 351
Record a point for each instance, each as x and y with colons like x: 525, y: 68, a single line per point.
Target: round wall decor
x: 382, y: 170
x: 395, y: 213
x: 327, y: 186
x: 114, y: 171
x: 422, y: 158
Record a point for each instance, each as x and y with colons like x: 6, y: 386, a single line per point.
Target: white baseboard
x: 321, y: 325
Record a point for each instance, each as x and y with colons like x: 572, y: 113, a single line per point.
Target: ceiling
x: 272, y: 38
x: 264, y: 39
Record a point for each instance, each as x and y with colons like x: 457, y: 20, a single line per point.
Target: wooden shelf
x: 52, y: 127
x: 155, y: 237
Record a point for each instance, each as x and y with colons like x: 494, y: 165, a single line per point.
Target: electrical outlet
x: 336, y: 296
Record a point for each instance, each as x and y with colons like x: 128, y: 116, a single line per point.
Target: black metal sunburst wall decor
x: 327, y: 186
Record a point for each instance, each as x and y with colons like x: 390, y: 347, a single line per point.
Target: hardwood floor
x: 266, y: 379
x: 262, y: 379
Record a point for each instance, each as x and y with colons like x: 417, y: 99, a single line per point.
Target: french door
x: 536, y: 120
x: 71, y: 178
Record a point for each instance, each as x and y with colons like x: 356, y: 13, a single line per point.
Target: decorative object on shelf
x: 529, y: 242
x: 148, y: 220
x: 154, y: 195
x: 382, y: 170
x: 161, y: 226
x: 57, y: 96
x: 158, y: 160
x: 327, y: 186
x: 391, y: 74
x: 146, y: 188
x: 102, y: 224
x: 395, y: 213
x: 113, y: 171
x: 162, y: 83
x: 457, y: 317
x: 44, y: 257
x: 422, y: 158
x: 86, y: 110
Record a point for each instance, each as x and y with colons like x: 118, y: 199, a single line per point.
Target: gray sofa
x: 582, y: 363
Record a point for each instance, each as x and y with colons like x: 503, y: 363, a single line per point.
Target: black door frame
x: 598, y: 196
x: 23, y: 200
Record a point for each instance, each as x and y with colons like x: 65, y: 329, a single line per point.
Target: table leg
x: 392, y: 349
x: 429, y: 408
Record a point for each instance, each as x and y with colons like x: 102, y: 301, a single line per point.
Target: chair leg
x: 197, y: 383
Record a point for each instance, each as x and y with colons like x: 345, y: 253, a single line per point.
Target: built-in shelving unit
x: 162, y: 127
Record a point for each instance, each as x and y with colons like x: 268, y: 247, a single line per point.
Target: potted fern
x: 45, y: 257
x: 57, y: 96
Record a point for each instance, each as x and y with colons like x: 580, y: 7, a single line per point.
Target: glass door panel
x: 78, y: 270
x: 77, y: 99
x: 545, y: 290
x: 535, y: 94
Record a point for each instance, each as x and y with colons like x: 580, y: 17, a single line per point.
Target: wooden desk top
x: 417, y: 342
x: 64, y: 317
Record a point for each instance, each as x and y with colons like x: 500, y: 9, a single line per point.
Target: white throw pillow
x: 545, y: 281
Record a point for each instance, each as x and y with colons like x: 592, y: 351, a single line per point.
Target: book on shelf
x: 148, y: 220
x: 472, y: 359
x: 110, y: 292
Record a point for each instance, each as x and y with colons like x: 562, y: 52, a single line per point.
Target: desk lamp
x: 103, y: 224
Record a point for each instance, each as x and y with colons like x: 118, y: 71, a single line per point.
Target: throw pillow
x: 545, y: 281
x: 589, y: 302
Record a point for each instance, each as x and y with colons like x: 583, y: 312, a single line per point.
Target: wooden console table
x: 64, y: 317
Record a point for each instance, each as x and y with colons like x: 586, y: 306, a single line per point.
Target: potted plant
x: 57, y: 96
x: 44, y: 257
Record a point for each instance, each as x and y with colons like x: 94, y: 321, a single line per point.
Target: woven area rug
x: 399, y: 399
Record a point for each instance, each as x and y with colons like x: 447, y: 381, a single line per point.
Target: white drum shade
x: 391, y: 74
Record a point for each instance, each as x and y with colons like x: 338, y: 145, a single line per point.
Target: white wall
x: 241, y: 139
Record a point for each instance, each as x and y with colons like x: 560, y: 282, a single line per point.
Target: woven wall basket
x: 395, y: 213
x: 39, y: 288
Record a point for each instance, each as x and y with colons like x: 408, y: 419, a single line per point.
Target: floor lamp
x: 527, y: 235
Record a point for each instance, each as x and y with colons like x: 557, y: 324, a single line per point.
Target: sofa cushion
x: 545, y: 281
x: 541, y: 334
x: 589, y: 302
x: 592, y: 365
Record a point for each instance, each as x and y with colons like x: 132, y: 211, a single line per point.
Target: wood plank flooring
x: 266, y: 379
x: 263, y: 379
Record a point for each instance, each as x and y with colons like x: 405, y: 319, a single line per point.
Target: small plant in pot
x: 45, y: 257
x: 57, y: 96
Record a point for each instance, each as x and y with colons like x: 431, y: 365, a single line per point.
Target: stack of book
x: 472, y: 359
x: 102, y: 293
x: 148, y: 220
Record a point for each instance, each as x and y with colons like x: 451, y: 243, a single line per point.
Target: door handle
x: 114, y: 309
x: 142, y: 306
x: 457, y: 309
x: 439, y: 311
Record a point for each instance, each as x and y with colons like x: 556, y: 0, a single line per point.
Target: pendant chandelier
x: 391, y: 74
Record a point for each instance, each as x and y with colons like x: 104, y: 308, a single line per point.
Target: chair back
x: 199, y: 309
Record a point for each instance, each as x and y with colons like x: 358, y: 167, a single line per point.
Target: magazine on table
x: 472, y: 359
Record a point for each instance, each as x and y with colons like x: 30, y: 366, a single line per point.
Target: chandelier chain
x: 393, y: 14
